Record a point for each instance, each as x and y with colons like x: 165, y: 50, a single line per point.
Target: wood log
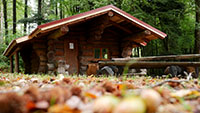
x: 110, y: 14
x: 50, y: 66
x: 97, y: 29
x: 59, y: 53
x: 126, y: 52
x: 139, y: 37
x: 60, y: 32
x: 40, y: 52
x: 57, y: 58
x: 149, y: 64
x: 43, y: 58
x: 50, y: 56
x: 167, y: 57
x: 43, y: 63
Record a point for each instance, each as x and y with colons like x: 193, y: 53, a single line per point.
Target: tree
x: 61, y: 11
x: 5, y: 19
x: 14, y: 16
x: 197, y: 27
x: 39, y: 13
x: 1, y: 22
x: 25, y: 14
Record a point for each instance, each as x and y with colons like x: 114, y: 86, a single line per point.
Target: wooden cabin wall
x: 55, y: 54
x: 85, y: 46
x: 88, y: 44
x: 39, y: 56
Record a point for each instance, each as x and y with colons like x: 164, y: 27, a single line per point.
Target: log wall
x: 86, y: 49
x: 48, y: 54
x: 39, y: 56
x: 55, y: 55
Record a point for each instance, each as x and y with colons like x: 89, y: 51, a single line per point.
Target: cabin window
x: 105, y: 53
x: 97, y: 53
x: 101, y: 53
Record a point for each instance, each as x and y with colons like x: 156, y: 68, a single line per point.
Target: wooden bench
x: 154, y: 61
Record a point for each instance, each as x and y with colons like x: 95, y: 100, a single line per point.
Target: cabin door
x: 71, y: 53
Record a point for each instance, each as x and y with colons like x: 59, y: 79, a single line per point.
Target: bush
x: 4, y: 63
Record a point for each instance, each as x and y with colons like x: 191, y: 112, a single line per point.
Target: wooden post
x: 11, y: 64
x: 16, y: 62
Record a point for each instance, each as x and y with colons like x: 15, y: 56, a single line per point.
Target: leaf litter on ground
x: 20, y: 93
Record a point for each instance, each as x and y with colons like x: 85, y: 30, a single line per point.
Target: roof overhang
x: 82, y: 17
x: 13, y: 45
x: 94, y: 13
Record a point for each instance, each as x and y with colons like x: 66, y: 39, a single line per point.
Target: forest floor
x: 21, y: 93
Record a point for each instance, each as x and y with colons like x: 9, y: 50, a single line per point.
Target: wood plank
x: 167, y: 57
x: 17, y: 62
x: 143, y: 64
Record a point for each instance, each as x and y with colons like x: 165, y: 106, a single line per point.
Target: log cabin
x: 71, y: 44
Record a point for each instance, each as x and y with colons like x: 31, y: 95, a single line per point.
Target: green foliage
x: 3, y: 59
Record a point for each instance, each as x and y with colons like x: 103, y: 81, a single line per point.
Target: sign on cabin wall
x: 71, y: 45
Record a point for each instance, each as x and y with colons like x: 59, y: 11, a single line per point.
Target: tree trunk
x: 56, y: 10
x: 39, y: 11
x: 14, y: 16
x: 197, y: 29
x: 166, y: 45
x: 5, y: 19
x: 61, y: 11
x: 25, y: 14
x: 1, y: 23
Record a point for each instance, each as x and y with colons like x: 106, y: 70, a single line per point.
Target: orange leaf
x: 121, y: 87
x: 30, y: 105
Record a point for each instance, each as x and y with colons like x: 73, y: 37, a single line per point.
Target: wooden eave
x: 81, y: 18
x: 13, y: 45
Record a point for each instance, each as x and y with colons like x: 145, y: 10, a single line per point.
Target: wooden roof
x: 44, y: 28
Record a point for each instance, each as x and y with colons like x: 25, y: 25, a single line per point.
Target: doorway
x: 71, y: 54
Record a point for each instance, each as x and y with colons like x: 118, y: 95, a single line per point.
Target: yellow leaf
x: 88, y: 94
x: 60, y: 109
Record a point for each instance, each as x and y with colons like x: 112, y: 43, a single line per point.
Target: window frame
x: 101, y: 54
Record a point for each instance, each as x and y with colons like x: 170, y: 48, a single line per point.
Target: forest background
x: 179, y: 19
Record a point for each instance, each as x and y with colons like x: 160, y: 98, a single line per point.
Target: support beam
x: 143, y: 64
x: 110, y: 14
x: 139, y: 37
x: 60, y: 32
x: 120, y: 27
x: 97, y: 29
x: 11, y: 64
x: 17, y: 62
